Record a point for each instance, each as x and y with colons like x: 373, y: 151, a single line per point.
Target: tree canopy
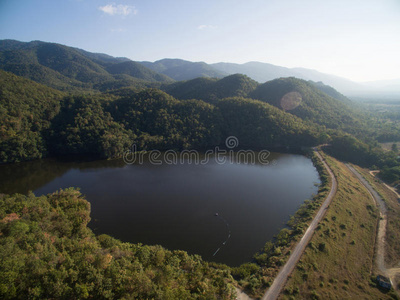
x: 47, y: 251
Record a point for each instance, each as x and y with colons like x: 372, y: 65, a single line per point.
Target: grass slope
x: 392, y: 245
x: 338, y: 262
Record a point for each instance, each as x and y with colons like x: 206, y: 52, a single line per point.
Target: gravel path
x: 241, y: 295
x: 380, y: 250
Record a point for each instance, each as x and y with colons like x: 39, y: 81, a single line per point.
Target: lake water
x: 176, y: 205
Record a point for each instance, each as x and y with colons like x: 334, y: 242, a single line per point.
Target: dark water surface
x: 176, y: 205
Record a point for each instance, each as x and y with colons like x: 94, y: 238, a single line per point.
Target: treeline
x: 47, y: 251
x: 37, y: 121
x: 367, y: 154
x: 318, y: 105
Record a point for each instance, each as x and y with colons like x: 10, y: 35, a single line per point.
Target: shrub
x: 321, y: 246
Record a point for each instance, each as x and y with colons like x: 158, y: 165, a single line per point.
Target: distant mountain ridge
x: 136, y: 70
x: 64, y: 68
x: 260, y: 72
x: 180, y: 69
x: 263, y: 72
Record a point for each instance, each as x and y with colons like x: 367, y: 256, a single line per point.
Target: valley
x: 68, y: 116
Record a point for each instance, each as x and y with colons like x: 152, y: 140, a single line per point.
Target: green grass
x: 338, y: 262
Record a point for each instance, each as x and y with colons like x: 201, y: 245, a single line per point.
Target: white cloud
x: 114, y: 9
x: 202, y: 27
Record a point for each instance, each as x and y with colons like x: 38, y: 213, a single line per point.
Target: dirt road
x: 280, y: 280
x: 380, y: 247
x: 241, y: 295
x: 373, y: 173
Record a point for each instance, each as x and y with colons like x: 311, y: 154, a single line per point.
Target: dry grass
x: 392, y: 245
x: 388, y: 146
x: 338, y: 262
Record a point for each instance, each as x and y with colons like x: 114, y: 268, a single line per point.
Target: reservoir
x: 224, y: 212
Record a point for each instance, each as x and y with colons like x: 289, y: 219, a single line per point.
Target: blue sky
x: 356, y: 39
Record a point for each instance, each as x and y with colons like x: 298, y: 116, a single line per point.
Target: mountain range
x: 66, y: 68
x: 58, y: 100
x: 261, y: 72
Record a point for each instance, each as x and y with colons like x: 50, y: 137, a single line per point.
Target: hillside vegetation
x: 38, y: 121
x: 313, y: 104
x: 89, y: 120
x: 47, y: 251
x: 212, y: 90
x: 26, y: 112
x: 72, y: 69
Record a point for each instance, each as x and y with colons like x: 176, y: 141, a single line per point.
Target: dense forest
x: 38, y: 121
x: 47, y: 251
x: 61, y: 101
x: 90, y: 103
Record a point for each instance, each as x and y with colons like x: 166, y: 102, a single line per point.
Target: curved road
x: 280, y: 280
x: 380, y: 247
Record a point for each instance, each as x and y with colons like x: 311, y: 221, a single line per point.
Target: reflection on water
x: 29, y: 176
x: 176, y: 205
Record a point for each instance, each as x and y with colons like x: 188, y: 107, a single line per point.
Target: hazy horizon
x: 358, y: 40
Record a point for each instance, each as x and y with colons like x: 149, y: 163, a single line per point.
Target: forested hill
x: 110, y: 103
x: 307, y: 101
x: 212, y: 90
x: 26, y: 112
x: 68, y: 68
x: 21, y: 59
x: 37, y: 121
